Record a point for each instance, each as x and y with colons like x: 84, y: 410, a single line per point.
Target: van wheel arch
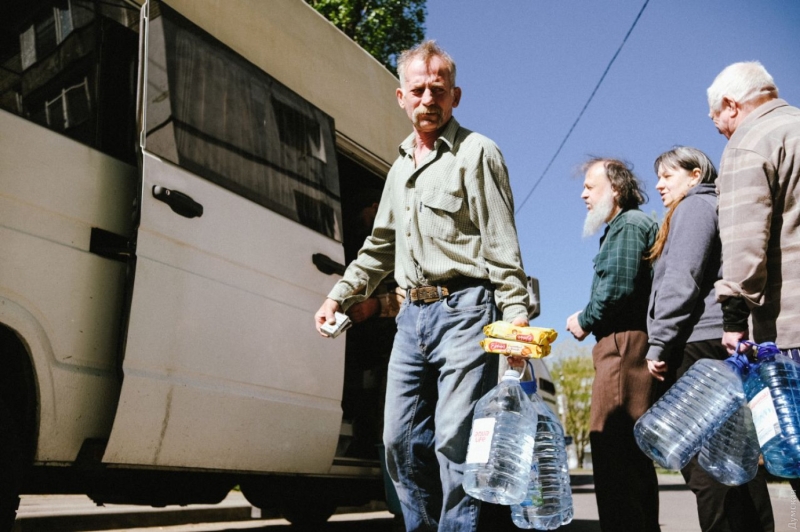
x: 17, y: 421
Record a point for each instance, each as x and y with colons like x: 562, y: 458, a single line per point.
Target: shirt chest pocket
x: 440, y: 214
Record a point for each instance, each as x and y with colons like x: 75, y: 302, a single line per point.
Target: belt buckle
x: 427, y: 294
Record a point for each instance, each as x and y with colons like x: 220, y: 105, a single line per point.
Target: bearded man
x: 625, y: 481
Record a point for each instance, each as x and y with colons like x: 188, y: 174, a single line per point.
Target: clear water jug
x: 730, y: 455
x: 548, y: 502
x: 773, y: 393
x: 674, y: 428
x: 500, y: 447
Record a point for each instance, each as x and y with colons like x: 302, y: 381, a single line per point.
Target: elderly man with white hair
x: 759, y: 208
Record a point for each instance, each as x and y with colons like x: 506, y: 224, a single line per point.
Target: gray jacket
x: 683, y: 306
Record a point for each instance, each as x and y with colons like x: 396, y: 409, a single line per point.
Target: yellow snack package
x: 508, y: 347
x: 531, y: 335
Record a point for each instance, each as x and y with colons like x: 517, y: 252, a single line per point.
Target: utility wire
x: 584, y: 108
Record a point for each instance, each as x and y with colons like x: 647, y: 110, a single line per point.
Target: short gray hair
x: 688, y: 158
x: 741, y: 82
x: 425, y: 51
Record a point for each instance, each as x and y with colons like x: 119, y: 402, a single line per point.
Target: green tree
x: 384, y: 28
x: 572, y: 371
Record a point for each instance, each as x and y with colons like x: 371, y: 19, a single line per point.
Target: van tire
x: 11, y: 464
x: 307, y: 513
x: 303, y: 502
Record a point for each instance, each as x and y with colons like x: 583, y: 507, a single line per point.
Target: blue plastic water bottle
x: 500, y: 447
x: 548, y: 503
x: 773, y: 391
x: 731, y: 454
x: 674, y: 428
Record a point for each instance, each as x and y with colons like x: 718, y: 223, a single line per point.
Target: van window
x: 70, y: 66
x: 219, y: 116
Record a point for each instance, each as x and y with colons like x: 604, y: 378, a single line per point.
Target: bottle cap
x: 511, y: 374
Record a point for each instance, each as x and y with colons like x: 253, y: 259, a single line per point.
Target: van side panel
x: 223, y: 368
x: 61, y: 299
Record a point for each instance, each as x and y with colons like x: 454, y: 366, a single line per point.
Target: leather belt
x: 431, y: 293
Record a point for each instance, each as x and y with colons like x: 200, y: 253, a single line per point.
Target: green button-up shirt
x: 452, y: 215
x: 622, y: 277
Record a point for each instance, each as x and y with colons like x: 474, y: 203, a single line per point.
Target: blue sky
x: 527, y: 67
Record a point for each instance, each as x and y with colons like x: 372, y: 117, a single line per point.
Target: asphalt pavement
x: 73, y: 513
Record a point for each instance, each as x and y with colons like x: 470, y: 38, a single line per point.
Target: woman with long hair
x: 684, y: 321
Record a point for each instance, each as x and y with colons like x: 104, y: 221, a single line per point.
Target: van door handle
x: 179, y: 202
x: 327, y: 265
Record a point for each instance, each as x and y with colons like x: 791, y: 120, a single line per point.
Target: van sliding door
x: 223, y: 368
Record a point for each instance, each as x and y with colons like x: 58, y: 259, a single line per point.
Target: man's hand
x: 575, y: 328
x: 363, y: 311
x: 657, y: 369
x: 514, y: 362
x: 731, y: 339
x: 520, y: 321
x: 326, y: 314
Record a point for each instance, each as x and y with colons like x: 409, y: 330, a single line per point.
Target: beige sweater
x: 759, y: 219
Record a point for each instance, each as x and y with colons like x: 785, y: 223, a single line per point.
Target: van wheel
x: 305, y: 503
x: 11, y: 466
x: 307, y: 513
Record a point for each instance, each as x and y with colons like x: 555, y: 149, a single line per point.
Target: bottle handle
x: 738, y: 360
x: 533, y: 375
x: 760, y: 351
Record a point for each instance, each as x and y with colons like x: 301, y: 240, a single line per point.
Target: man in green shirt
x: 625, y: 481
x: 445, y: 227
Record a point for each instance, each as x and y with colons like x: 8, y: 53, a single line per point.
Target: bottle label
x: 480, y: 440
x: 765, y: 418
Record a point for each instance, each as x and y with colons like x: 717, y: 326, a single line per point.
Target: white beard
x: 596, y: 217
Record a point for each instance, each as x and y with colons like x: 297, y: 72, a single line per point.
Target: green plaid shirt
x: 452, y: 215
x: 622, y: 278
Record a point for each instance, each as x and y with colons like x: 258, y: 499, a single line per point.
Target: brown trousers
x: 626, y: 486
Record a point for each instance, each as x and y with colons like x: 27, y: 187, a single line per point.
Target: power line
x: 536, y: 184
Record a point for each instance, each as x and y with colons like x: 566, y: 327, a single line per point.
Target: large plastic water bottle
x: 548, y: 503
x: 674, y: 428
x: 566, y: 501
x: 501, y: 444
x: 731, y: 455
x: 773, y: 391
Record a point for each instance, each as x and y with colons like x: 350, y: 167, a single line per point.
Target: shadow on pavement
x: 581, y: 525
x: 498, y: 519
x: 581, y: 479
x: 494, y: 518
x: 382, y: 524
x: 673, y: 487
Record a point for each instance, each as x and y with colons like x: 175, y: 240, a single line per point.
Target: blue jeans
x: 437, y: 372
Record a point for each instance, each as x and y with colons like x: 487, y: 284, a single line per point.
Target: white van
x: 174, y: 184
